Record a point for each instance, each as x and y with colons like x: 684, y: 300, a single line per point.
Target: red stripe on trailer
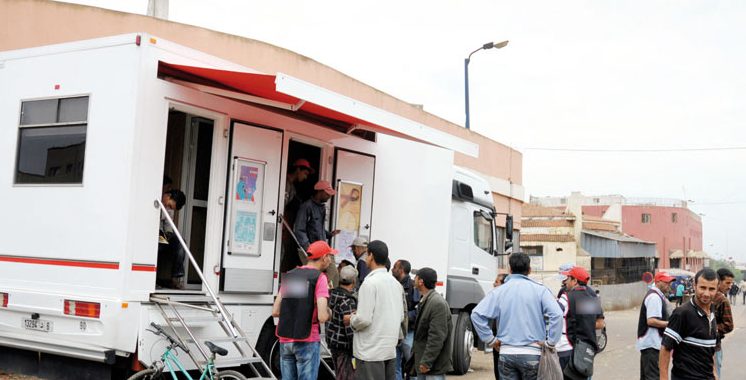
x: 143, y: 268
x: 58, y: 262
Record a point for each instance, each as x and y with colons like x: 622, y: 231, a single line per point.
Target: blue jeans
x: 719, y: 361
x: 518, y: 367
x: 300, y: 361
x: 403, y: 352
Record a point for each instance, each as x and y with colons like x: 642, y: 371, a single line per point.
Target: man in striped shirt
x: 692, y: 334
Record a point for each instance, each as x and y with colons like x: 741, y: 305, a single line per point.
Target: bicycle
x: 170, y: 363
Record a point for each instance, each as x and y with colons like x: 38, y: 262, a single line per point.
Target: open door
x: 251, y: 219
x: 354, y: 175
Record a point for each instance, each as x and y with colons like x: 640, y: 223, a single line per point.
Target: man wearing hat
x: 583, y: 315
x: 651, y: 324
x: 360, y: 251
x: 301, y: 306
x: 298, y: 173
x: 342, y: 301
x: 309, y: 224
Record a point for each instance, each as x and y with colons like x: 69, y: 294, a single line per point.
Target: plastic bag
x: 549, y: 365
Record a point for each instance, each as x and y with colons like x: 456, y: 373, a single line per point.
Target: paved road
x: 621, y: 361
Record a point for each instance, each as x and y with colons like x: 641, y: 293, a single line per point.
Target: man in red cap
x: 309, y: 224
x: 651, y: 325
x: 583, y: 315
x: 298, y: 173
x: 301, y: 306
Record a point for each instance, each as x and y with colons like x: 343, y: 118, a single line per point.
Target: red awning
x: 262, y: 86
x: 310, y: 102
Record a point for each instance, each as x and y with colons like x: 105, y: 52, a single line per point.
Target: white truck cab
x: 474, y: 248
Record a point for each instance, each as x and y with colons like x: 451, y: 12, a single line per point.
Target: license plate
x: 37, y: 324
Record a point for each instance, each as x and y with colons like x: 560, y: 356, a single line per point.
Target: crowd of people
x: 690, y: 337
x: 385, y: 325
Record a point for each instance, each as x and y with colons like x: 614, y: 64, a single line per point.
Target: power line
x: 637, y: 150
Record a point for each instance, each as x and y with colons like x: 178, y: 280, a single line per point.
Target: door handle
x: 474, y: 270
x: 367, y: 226
x: 273, y: 212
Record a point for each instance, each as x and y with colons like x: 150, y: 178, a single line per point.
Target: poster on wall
x: 246, y: 206
x: 347, y: 216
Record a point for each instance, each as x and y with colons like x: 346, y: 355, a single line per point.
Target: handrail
x: 221, y: 307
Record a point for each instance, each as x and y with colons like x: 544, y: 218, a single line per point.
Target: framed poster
x: 347, y: 216
x: 247, y: 192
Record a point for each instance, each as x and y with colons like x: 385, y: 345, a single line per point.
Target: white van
x: 89, y: 129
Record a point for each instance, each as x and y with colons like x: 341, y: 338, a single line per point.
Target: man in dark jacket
x: 309, y: 223
x: 432, y: 331
x: 584, y: 315
x: 401, y: 271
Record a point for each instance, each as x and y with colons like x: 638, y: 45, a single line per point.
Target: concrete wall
x: 621, y: 296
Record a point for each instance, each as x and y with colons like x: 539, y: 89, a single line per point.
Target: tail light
x: 83, y: 309
x: 4, y: 299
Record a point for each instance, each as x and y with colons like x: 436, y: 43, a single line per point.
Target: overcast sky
x: 577, y: 74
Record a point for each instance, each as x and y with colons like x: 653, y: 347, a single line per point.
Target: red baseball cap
x: 319, y: 249
x: 326, y: 186
x: 579, y: 273
x: 303, y: 163
x: 663, y: 276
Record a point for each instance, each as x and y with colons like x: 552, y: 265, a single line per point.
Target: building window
x: 674, y: 218
x: 51, y: 141
x: 596, y: 200
x: 483, y: 237
x: 536, y: 254
x: 646, y: 218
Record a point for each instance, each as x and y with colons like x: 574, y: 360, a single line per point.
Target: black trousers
x: 649, y: 369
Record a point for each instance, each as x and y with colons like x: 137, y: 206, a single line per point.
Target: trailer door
x: 253, y: 200
x: 354, y: 174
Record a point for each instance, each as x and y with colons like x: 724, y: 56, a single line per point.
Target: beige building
x: 548, y: 237
x: 31, y: 23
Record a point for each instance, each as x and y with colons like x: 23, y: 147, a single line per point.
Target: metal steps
x: 209, y: 311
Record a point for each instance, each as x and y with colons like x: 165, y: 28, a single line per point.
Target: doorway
x: 298, y: 189
x: 187, y: 166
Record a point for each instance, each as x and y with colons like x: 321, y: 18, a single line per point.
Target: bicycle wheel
x: 147, y: 374
x: 230, y: 375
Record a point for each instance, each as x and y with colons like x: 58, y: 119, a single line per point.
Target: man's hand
x: 346, y: 319
x: 496, y: 345
x: 336, y: 232
x: 424, y: 368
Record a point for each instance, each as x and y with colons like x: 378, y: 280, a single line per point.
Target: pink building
x: 670, y: 224
x: 676, y: 231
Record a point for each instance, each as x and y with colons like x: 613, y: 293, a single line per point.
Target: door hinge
x: 225, y: 133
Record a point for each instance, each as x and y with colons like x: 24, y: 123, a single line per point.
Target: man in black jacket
x: 584, y: 316
x: 400, y: 271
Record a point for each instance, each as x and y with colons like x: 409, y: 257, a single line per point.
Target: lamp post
x: 486, y: 46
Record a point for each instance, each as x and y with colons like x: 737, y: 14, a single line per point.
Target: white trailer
x: 89, y: 129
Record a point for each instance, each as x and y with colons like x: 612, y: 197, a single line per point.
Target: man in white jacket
x: 377, y: 322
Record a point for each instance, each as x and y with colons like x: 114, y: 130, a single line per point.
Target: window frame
x: 645, y: 220
x: 674, y: 217
x: 21, y: 127
x: 476, y: 215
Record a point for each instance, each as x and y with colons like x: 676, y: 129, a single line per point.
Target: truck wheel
x: 269, y: 347
x: 463, y: 342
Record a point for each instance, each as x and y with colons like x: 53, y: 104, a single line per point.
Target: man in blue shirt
x: 519, y: 308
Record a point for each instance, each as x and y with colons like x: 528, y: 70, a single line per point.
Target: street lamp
x: 486, y: 46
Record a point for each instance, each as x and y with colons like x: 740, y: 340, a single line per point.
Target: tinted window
x: 51, y: 150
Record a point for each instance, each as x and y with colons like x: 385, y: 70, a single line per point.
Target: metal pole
x: 199, y: 269
x: 466, y: 88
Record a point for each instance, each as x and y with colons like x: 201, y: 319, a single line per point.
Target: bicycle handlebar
x: 168, y: 336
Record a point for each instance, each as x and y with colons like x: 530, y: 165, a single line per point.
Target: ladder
x: 208, y: 303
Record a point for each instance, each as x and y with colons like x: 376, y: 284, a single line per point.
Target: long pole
x: 466, y: 88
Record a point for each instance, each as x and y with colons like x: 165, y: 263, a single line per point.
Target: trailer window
x: 483, y: 232
x: 51, y: 141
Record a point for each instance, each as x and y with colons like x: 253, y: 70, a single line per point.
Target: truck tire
x: 463, y: 342
x: 268, y: 346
